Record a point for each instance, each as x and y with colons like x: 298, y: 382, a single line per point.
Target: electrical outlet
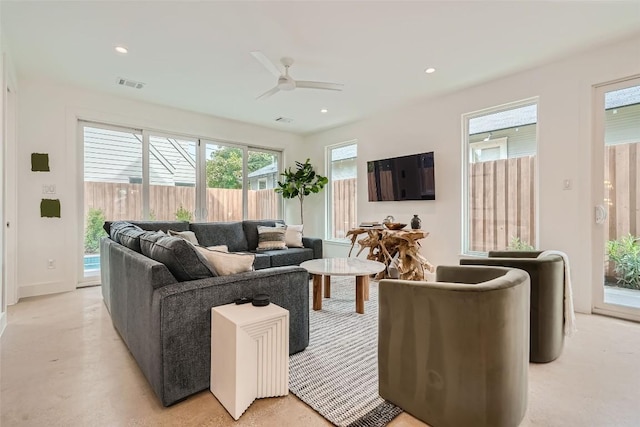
x: 51, y: 264
x: 49, y: 189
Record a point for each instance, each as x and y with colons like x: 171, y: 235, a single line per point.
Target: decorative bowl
x: 395, y: 225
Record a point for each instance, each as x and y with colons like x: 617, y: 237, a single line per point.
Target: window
x: 500, y: 179
x: 133, y: 174
x: 342, y: 174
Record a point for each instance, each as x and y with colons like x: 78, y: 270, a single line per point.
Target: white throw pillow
x: 293, y: 236
x: 189, y: 236
x: 220, y: 248
x: 226, y: 263
x: 270, y: 238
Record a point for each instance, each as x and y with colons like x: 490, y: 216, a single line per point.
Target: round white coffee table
x: 327, y: 267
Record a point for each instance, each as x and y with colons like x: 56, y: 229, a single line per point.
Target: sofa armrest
x: 185, y: 321
x: 315, y: 244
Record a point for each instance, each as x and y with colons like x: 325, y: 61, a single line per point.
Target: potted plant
x: 300, y: 183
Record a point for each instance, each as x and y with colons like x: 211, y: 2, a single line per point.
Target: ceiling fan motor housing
x: 286, y: 83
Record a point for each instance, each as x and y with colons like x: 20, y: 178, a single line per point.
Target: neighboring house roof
x: 116, y: 156
x: 346, y: 152
x: 622, y: 97
x: 504, y: 119
x: 528, y: 114
x: 266, y: 170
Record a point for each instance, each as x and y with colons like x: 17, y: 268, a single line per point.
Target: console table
x: 385, y: 244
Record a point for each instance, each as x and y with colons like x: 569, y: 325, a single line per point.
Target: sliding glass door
x: 112, y: 186
x: 617, y: 212
x: 134, y: 174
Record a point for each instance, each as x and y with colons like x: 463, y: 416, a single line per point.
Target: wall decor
x: 40, y: 162
x: 50, y: 208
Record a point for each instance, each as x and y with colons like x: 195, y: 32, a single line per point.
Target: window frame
x: 329, y: 193
x: 466, y: 152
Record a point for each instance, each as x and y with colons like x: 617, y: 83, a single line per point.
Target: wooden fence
x: 501, y: 200
x: 622, y: 192
x: 502, y: 203
x: 120, y: 201
x: 343, y: 214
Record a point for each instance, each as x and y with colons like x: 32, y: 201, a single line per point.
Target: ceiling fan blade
x: 319, y: 85
x: 270, y: 66
x: 269, y: 93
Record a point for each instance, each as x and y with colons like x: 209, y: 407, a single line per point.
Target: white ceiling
x: 195, y: 55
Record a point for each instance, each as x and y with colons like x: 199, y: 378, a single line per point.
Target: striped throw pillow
x: 270, y: 238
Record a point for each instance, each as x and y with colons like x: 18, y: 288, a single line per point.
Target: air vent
x: 130, y: 83
x: 284, y: 120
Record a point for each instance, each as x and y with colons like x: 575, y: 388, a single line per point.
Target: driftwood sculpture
x: 383, y: 246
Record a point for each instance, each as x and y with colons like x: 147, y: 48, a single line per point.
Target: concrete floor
x: 62, y: 364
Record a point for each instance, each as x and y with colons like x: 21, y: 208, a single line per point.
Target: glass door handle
x: 600, y: 214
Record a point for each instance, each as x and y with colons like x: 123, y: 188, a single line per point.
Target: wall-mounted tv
x: 402, y: 178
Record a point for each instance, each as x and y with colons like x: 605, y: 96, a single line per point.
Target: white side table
x: 249, y: 354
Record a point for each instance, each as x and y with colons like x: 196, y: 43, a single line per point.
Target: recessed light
x: 324, y: 110
x: 121, y: 49
x: 430, y: 70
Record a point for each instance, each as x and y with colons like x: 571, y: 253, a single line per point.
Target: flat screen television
x: 402, y: 178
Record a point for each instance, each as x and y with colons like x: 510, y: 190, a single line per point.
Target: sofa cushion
x: 221, y: 233
x: 262, y: 261
x: 131, y: 239
x: 251, y: 230
x: 189, y: 236
x: 118, y: 227
x: 291, y: 256
x: 147, y: 239
x: 181, y: 257
x: 270, y: 238
x: 227, y: 263
x: 152, y: 225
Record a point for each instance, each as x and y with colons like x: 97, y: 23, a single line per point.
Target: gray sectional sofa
x: 163, y: 313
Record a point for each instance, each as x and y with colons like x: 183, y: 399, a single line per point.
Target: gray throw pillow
x: 131, y: 239
x: 118, y: 227
x: 181, y: 258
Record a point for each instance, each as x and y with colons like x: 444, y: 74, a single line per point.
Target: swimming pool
x: 92, y: 262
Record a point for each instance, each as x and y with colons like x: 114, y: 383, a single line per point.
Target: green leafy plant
x: 94, y: 231
x: 300, y: 183
x: 625, y: 254
x: 152, y: 215
x: 516, y: 244
x: 183, y: 214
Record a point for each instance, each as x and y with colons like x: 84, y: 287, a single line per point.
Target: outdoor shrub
x: 625, y: 254
x: 183, y: 214
x: 519, y: 245
x: 93, y: 231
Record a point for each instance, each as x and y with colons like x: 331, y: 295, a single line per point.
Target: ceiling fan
x: 285, y: 81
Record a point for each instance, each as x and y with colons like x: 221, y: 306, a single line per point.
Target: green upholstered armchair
x: 455, y: 352
x: 547, y: 297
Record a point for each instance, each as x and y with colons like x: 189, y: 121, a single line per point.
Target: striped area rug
x: 337, y: 374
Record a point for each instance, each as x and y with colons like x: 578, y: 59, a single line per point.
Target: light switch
x: 566, y: 184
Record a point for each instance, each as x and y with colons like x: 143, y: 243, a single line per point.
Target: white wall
x: 565, y: 91
x: 48, y: 114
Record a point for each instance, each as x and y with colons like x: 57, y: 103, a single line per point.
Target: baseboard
x: 46, y: 288
x: 3, y: 322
